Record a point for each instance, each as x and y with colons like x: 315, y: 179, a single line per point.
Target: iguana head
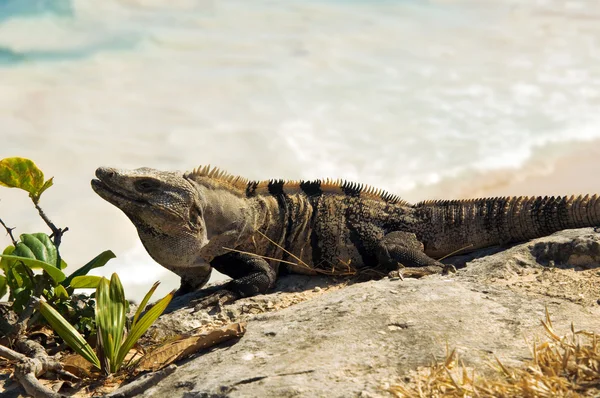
x: 167, y: 211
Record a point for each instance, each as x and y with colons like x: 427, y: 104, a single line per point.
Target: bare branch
x: 31, y: 384
x: 47, y: 220
x: 9, y: 232
x: 28, y: 368
x: 57, y: 233
x: 11, y: 355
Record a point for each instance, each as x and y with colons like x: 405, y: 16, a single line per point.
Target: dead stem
x: 455, y: 251
x: 286, y: 251
x: 304, y: 265
x: 258, y: 255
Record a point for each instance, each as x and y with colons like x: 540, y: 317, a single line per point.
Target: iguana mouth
x: 113, y: 195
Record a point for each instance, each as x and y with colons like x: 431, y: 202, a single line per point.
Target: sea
x: 404, y: 95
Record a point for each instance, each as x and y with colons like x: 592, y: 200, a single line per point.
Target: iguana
x: 193, y: 222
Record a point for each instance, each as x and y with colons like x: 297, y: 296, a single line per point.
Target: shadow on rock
x: 582, y: 252
x: 284, y: 284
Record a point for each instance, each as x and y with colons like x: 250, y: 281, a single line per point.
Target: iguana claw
x: 218, y: 299
x: 419, y: 272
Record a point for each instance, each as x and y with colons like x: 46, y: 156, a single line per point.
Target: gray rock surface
x: 334, y: 341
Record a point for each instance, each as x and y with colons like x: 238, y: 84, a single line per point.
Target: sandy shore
x: 554, y: 170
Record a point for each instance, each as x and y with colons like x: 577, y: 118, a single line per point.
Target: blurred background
x: 425, y: 98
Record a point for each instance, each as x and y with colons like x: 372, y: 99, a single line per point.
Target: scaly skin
x: 191, y: 223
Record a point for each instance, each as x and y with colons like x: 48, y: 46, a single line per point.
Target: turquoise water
x: 403, y: 95
x: 34, y: 8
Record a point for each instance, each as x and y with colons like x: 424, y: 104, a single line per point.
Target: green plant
x: 34, y: 251
x: 111, y: 309
x: 40, y: 251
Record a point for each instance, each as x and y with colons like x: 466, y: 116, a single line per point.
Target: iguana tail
x: 491, y: 221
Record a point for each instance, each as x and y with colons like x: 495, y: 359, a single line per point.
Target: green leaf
x: 140, y: 328
x: 68, y: 333
x: 46, y: 185
x: 56, y: 274
x: 15, y: 280
x: 96, y: 262
x: 37, y: 248
x: 86, y: 282
x: 5, y: 263
x: 143, y: 304
x: 51, y: 252
x: 103, y: 323
x: 111, y: 308
x: 3, y: 286
x: 21, y: 173
x: 18, y: 276
x: 119, y: 307
x: 20, y: 300
x: 22, y: 250
x: 60, y: 292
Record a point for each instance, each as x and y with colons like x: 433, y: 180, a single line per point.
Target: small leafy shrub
x: 40, y: 251
x: 111, y: 308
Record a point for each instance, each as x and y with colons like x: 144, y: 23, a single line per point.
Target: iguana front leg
x: 251, y: 275
x: 192, y: 278
x: 402, y: 249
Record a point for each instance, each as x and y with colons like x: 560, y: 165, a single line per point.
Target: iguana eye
x: 146, y: 185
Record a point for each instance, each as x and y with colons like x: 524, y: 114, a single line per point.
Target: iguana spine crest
x: 267, y: 187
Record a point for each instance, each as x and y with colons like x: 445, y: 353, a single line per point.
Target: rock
x: 356, y: 340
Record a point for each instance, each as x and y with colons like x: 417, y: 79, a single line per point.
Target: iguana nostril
x: 105, y: 172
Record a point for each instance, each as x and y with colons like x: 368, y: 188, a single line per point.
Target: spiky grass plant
x: 111, y: 309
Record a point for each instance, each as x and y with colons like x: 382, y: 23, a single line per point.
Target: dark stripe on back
x: 357, y: 238
x: 317, y: 254
x: 311, y: 188
x: 292, y: 213
x: 286, y: 220
x: 276, y: 187
x: 351, y: 189
x: 251, y: 188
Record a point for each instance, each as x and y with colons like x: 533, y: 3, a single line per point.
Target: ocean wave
x: 40, y: 31
x: 10, y: 57
x: 33, y: 8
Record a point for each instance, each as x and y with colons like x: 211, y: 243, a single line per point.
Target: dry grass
x: 318, y: 269
x: 562, y: 366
